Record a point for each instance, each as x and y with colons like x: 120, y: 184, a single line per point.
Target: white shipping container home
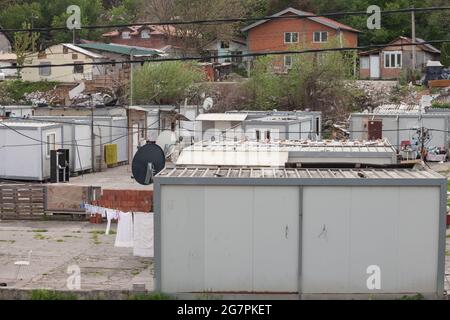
x: 281, y: 153
x: 311, y: 233
x: 25, y: 149
x: 400, y: 127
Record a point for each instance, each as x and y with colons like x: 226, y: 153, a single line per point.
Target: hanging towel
x: 124, y: 237
x: 143, y: 235
x: 111, y: 214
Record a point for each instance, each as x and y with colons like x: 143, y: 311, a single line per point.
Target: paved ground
x: 112, y: 178
x: 57, y: 245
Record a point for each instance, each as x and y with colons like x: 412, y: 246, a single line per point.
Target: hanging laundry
x: 124, y: 237
x: 111, y: 214
x: 143, y: 235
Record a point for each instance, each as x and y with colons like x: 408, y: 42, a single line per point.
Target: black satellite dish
x: 148, y: 161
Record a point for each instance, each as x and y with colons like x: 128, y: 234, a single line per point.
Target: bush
x: 409, y: 75
x: 441, y: 105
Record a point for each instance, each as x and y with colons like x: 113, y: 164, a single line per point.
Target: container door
x: 375, y: 67
x: 375, y: 129
x: 276, y: 239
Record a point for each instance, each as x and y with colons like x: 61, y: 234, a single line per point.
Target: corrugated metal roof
x: 221, y: 117
x: 325, y: 146
x: 233, y: 158
x: 245, y: 172
x: 120, y: 49
x: 83, y: 51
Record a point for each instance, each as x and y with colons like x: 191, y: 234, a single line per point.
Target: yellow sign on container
x: 111, y: 154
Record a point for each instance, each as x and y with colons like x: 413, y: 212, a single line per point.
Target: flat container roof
x: 222, y: 117
x: 272, y: 173
x: 27, y: 124
x: 324, y: 147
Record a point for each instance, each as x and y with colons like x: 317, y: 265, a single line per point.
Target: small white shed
x: 312, y: 233
x: 25, y: 149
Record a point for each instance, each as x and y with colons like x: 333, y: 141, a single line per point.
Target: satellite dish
x: 148, y: 161
x: 208, y: 104
x: 166, y: 141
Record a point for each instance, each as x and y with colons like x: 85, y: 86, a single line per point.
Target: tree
x: 445, y: 55
x: 25, y: 43
x: 166, y: 82
x: 264, y: 86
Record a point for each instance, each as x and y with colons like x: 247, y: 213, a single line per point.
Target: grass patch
x: 95, y: 238
x: 60, y: 240
x: 78, y: 231
x: 39, y: 230
x: 39, y: 236
x: 8, y: 241
x: 153, y: 296
x: 41, y: 294
x: 414, y: 297
x: 447, y: 253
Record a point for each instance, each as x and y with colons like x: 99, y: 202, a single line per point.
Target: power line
x: 210, y: 57
x: 231, y: 20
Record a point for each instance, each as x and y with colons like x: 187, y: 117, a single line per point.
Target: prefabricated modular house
x: 278, y: 128
x: 287, y: 153
x: 107, y: 130
x: 247, y: 124
x: 398, y: 127
x: 319, y: 233
x: 13, y: 111
x: 25, y: 149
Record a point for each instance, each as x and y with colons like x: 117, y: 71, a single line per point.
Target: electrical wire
x: 243, y: 55
x: 231, y: 20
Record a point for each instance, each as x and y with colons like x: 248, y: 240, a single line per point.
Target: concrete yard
x: 57, y: 245
x: 111, y: 178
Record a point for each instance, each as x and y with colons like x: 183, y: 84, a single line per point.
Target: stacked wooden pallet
x: 21, y: 200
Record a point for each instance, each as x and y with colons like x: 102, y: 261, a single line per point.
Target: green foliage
x: 441, y: 105
x: 414, y: 297
x: 264, y: 86
x: 445, y: 55
x: 25, y: 43
x: 153, y: 296
x: 13, y: 91
x: 315, y: 81
x: 41, y: 294
x: 408, y: 75
x: 166, y: 82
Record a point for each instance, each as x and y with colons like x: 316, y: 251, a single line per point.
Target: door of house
x: 375, y: 129
x: 375, y: 66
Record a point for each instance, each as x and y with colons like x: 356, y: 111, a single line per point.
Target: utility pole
x: 92, y: 134
x: 413, y: 28
x: 131, y: 75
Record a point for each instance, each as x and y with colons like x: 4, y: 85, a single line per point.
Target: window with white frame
x: 126, y: 35
x: 320, y: 36
x: 45, y: 69
x: 393, y: 59
x: 145, y: 34
x: 290, y: 37
x: 51, y: 143
x: 365, y: 63
x: 288, y: 62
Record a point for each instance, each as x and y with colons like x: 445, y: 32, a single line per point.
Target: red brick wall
x: 364, y: 73
x: 127, y: 200
x: 270, y: 35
